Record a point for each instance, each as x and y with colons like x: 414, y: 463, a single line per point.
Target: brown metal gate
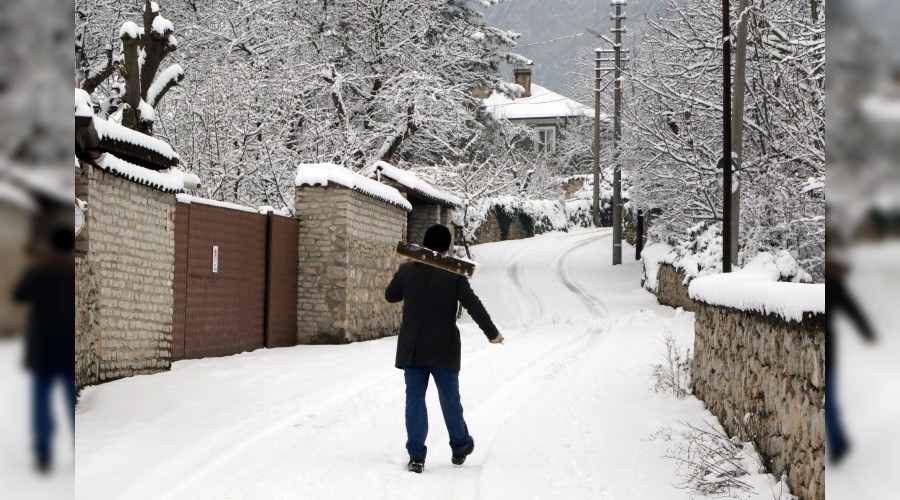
x: 235, y: 286
x: 281, y: 292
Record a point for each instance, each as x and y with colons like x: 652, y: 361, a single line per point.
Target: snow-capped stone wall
x: 124, y: 272
x: 347, y: 244
x: 766, y: 373
x: 671, y: 288
x: 87, y: 290
x: 511, y: 218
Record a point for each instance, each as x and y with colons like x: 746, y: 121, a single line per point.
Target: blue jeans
x: 447, y: 382
x: 41, y: 411
x: 834, y: 425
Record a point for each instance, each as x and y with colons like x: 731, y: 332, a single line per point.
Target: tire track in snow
x: 491, y: 412
x: 593, y: 304
x: 221, y: 450
x: 514, y: 273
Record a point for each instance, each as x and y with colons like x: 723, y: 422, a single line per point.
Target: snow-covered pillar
x: 349, y: 229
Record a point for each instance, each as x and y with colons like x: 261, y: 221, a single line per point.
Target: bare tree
x: 674, y: 116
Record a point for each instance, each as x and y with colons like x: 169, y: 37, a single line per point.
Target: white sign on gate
x: 215, y: 258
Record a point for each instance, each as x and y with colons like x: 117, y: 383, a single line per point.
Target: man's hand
x: 497, y: 340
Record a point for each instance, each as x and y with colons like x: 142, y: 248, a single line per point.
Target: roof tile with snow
x: 109, y: 137
x: 543, y: 103
x: 321, y: 174
x: 412, y: 183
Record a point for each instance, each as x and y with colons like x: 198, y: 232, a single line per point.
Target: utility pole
x: 618, y: 17
x: 597, y: 89
x: 737, y: 124
x: 725, y: 162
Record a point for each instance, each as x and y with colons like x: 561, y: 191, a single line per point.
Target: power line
x: 550, y: 41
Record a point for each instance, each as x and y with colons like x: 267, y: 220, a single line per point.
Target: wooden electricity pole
x: 737, y: 124
x: 597, y: 88
x: 725, y: 162
x: 618, y: 17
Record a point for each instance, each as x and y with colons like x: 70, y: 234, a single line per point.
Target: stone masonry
x: 493, y: 227
x: 672, y: 291
x: 124, y: 274
x: 746, y: 362
x: 347, y: 245
x: 87, y: 359
x: 420, y: 219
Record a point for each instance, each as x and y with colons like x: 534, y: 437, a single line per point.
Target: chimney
x: 523, y: 78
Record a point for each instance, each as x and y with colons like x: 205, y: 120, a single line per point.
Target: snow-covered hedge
x: 541, y: 215
x: 537, y: 216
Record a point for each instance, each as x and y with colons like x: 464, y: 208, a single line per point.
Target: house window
x: 546, y: 140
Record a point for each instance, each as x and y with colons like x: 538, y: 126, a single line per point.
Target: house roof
x: 413, y: 184
x: 127, y: 153
x: 543, y: 103
x: 171, y: 180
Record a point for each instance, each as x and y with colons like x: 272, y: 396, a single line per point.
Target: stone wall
x: 671, y: 289
x: 420, y: 219
x: 347, y: 245
x: 500, y: 226
x: 127, y: 261
x: 746, y: 362
x: 374, y: 230
x: 87, y: 346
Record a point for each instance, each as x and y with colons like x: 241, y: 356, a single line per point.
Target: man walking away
x: 429, y: 345
x: 837, y: 298
x: 48, y: 286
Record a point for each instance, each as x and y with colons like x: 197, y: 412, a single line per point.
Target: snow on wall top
x: 756, y: 288
x: 190, y: 199
x: 186, y: 198
x: 543, y: 103
x: 17, y: 197
x: 188, y: 179
x: 413, y: 182
x: 170, y: 180
x: 882, y: 109
x: 320, y: 174
x: 116, y: 132
x: 653, y: 256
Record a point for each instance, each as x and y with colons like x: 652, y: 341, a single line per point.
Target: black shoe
x: 415, y: 465
x: 460, y: 458
x: 43, y: 465
x: 838, y: 455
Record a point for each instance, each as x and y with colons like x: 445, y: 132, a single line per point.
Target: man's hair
x: 437, y: 238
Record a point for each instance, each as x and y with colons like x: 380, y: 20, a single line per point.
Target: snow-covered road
x: 564, y: 409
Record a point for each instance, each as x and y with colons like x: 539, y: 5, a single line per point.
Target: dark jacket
x: 837, y: 297
x: 50, y: 343
x: 428, y: 335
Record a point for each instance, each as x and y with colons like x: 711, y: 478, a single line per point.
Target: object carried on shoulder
x: 435, y: 259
